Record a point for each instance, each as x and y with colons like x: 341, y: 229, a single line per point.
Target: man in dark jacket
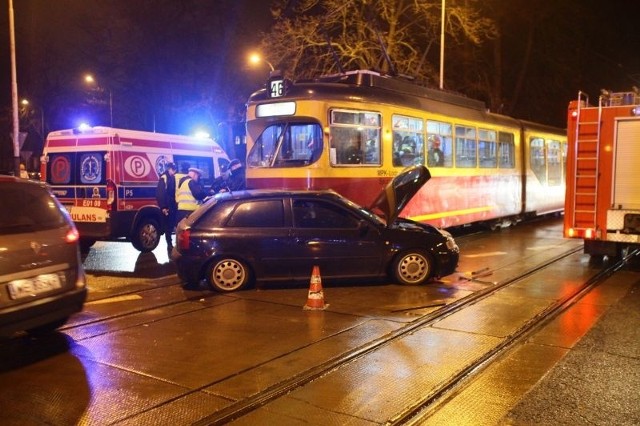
x: 166, y: 199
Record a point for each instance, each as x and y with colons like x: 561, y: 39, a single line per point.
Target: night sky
x: 53, y: 51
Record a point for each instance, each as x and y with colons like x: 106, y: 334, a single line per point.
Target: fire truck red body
x: 602, y: 204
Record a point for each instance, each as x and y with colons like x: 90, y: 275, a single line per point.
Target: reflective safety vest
x: 184, y: 197
x: 177, y: 177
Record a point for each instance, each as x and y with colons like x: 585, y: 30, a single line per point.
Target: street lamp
x: 26, y: 104
x: 89, y: 79
x: 255, y: 59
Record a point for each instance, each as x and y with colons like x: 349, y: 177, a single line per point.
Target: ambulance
x: 107, y: 177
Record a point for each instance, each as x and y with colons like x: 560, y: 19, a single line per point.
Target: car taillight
x: 112, y: 195
x: 183, y: 239
x: 72, y: 235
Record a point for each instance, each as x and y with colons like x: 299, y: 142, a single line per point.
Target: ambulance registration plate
x: 30, y: 287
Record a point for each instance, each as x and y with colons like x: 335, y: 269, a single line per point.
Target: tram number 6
x: 277, y: 88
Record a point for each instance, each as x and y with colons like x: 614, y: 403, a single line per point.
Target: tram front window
x: 287, y: 145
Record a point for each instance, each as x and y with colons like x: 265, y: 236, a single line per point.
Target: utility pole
x: 442, y: 18
x: 14, y: 94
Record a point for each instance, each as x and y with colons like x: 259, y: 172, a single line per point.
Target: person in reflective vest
x: 189, y: 193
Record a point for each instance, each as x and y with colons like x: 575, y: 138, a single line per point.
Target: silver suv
x: 42, y: 281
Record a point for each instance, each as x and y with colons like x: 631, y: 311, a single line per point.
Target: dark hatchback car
x: 236, y: 238
x: 42, y: 281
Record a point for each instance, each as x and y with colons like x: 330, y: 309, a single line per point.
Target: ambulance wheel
x: 146, y: 235
x: 227, y: 274
x: 412, y: 267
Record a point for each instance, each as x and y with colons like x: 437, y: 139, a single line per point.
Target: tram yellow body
x: 352, y: 133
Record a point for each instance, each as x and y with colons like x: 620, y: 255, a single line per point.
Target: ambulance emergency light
x: 82, y: 128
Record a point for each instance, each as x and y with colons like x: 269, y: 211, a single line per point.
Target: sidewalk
x: 598, y: 381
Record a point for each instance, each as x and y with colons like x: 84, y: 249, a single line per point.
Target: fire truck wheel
x: 412, y: 267
x: 146, y: 235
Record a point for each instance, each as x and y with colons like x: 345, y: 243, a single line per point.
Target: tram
x: 353, y: 132
x: 603, y: 194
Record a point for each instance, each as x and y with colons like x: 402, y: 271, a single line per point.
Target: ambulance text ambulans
x: 106, y: 178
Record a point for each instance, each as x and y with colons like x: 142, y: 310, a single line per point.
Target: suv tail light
x: 112, y: 195
x: 182, y: 239
x: 72, y: 235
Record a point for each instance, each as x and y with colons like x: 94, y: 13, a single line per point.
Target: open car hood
x: 395, y: 196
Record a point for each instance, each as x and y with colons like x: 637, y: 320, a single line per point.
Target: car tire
x: 228, y: 274
x: 412, y: 267
x: 86, y: 244
x: 146, y: 236
x: 49, y: 328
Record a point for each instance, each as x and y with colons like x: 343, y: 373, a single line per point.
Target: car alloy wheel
x: 412, y: 267
x: 228, y: 275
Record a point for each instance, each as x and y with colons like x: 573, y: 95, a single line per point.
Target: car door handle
x: 304, y: 241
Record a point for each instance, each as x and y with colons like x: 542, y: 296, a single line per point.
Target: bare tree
x: 311, y: 37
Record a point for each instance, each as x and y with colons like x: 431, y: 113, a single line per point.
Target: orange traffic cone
x: 315, y: 300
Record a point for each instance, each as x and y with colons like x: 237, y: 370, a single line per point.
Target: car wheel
x: 86, y: 244
x: 228, y: 274
x: 147, y: 235
x: 412, y: 267
x: 49, y: 328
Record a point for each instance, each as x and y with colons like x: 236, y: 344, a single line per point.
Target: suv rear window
x: 32, y: 209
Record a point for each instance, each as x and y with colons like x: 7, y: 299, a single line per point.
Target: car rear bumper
x: 187, y: 267
x: 41, y: 311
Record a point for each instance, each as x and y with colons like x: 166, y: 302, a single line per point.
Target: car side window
x: 320, y: 214
x: 258, y: 214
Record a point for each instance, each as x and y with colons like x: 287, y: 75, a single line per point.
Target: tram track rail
x: 254, y: 402
x: 417, y: 410
x: 421, y: 410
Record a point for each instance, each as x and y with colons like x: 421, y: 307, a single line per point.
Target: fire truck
x: 602, y: 204
x: 107, y: 177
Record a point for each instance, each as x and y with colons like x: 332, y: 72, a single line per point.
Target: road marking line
x: 115, y: 299
x: 493, y: 253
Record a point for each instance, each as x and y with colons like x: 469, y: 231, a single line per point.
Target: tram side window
x: 287, y: 145
x: 466, y: 153
x: 554, y: 163
x: 439, y: 137
x: 537, y: 159
x: 506, y: 151
x: 355, y: 137
x: 487, y: 148
x: 408, y: 146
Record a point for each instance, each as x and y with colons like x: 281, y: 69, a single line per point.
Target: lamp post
x: 442, y: 46
x: 27, y: 104
x: 89, y: 79
x: 255, y: 59
x: 14, y: 92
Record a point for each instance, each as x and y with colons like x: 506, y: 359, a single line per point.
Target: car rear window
x: 31, y: 208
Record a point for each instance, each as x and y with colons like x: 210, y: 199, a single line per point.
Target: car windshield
x: 366, y: 212
x: 32, y: 209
